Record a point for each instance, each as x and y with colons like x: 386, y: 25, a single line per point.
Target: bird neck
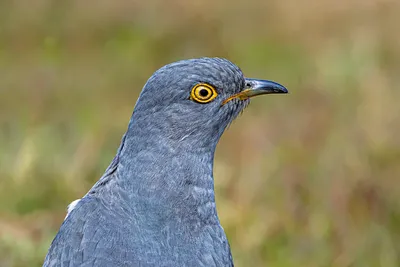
x: 170, y: 179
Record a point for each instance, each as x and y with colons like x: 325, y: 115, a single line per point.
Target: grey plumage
x: 155, y: 204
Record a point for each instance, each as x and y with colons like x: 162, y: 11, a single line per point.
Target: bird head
x: 193, y: 101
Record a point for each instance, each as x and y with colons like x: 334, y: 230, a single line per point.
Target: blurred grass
x: 308, y: 179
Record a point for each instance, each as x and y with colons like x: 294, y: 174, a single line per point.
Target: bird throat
x: 171, y: 182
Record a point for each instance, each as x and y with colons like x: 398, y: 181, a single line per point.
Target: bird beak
x: 255, y: 87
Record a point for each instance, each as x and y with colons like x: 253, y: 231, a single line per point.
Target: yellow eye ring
x: 203, y: 93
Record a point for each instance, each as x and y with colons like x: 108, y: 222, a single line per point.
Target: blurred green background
x: 306, y: 179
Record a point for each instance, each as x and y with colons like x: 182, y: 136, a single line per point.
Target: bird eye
x: 203, y: 93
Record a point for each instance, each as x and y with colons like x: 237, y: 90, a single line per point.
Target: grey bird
x: 155, y: 204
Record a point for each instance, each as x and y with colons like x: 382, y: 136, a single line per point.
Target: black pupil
x: 203, y: 92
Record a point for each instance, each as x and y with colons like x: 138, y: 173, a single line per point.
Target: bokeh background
x: 306, y: 179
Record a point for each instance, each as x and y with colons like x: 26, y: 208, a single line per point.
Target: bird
x: 155, y: 203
